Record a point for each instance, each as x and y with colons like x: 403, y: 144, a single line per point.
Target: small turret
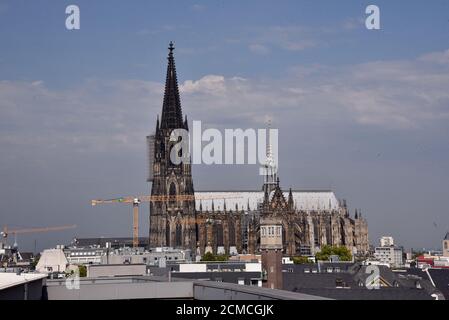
x: 290, y: 199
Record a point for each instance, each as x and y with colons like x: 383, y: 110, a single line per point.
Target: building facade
x: 271, y: 247
x: 391, y: 255
x: 386, y: 241
x: 228, y: 225
x: 446, y: 245
x: 172, y: 223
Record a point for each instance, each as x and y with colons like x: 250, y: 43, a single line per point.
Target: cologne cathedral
x: 224, y: 223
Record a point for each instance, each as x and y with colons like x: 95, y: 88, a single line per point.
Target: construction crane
x: 135, y: 201
x: 4, y: 234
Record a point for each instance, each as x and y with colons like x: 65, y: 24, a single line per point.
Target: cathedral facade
x: 229, y: 222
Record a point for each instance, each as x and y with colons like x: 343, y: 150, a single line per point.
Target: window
x: 278, y: 231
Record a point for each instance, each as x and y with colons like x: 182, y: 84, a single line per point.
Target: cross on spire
x: 171, y: 47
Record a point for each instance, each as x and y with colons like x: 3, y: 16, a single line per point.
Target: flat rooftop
x: 9, y: 279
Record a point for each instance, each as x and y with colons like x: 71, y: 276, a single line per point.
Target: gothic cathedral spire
x: 172, y: 222
x: 171, y: 108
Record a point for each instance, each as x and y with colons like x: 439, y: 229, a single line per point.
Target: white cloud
x: 291, y: 38
x: 259, y: 48
x: 95, y: 116
x: 212, y: 84
x: 198, y: 7
x: 116, y: 115
x: 437, y: 57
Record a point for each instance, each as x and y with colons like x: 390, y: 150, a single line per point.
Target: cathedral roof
x: 447, y: 236
x: 171, y: 108
x: 303, y: 199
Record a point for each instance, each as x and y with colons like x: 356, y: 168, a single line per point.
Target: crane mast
x: 135, y: 201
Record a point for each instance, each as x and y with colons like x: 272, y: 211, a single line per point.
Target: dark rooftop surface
x: 347, y: 282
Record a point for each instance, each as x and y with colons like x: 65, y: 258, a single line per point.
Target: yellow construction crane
x: 15, y: 232
x: 135, y: 201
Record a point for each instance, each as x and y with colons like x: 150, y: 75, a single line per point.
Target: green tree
x: 221, y: 257
x: 83, y: 271
x: 209, y: 256
x: 326, y: 251
x: 300, y: 260
x: 33, y: 263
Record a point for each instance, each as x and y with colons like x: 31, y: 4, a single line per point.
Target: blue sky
x: 121, y: 40
x: 362, y: 112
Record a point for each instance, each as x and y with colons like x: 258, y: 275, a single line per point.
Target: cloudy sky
x: 365, y: 113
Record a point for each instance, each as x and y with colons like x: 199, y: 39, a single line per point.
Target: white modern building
x: 52, y: 260
x: 386, y: 241
x: 391, y: 256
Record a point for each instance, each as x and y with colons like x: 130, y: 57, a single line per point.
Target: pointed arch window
x: 178, y: 238
x: 172, y: 193
x: 167, y: 234
x: 219, y: 234
x: 232, y: 234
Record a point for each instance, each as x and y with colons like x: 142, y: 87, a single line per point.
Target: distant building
x: 271, y: 250
x: 238, y: 272
x: 393, y: 256
x: 386, y: 241
x: 113, y: 243
x: 84, y: 255
x: 116, y: 270
x: 446, y: 245
x: 118, y: 251
x: 152, y: 258
x: 388, y: 254
x: 51, y: 261
x: 435, y: 259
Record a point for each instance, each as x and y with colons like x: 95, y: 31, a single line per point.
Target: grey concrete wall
x: 94, y: 271
x: 159, y: 288
x: 121, y: 291
x: 26, y: 291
